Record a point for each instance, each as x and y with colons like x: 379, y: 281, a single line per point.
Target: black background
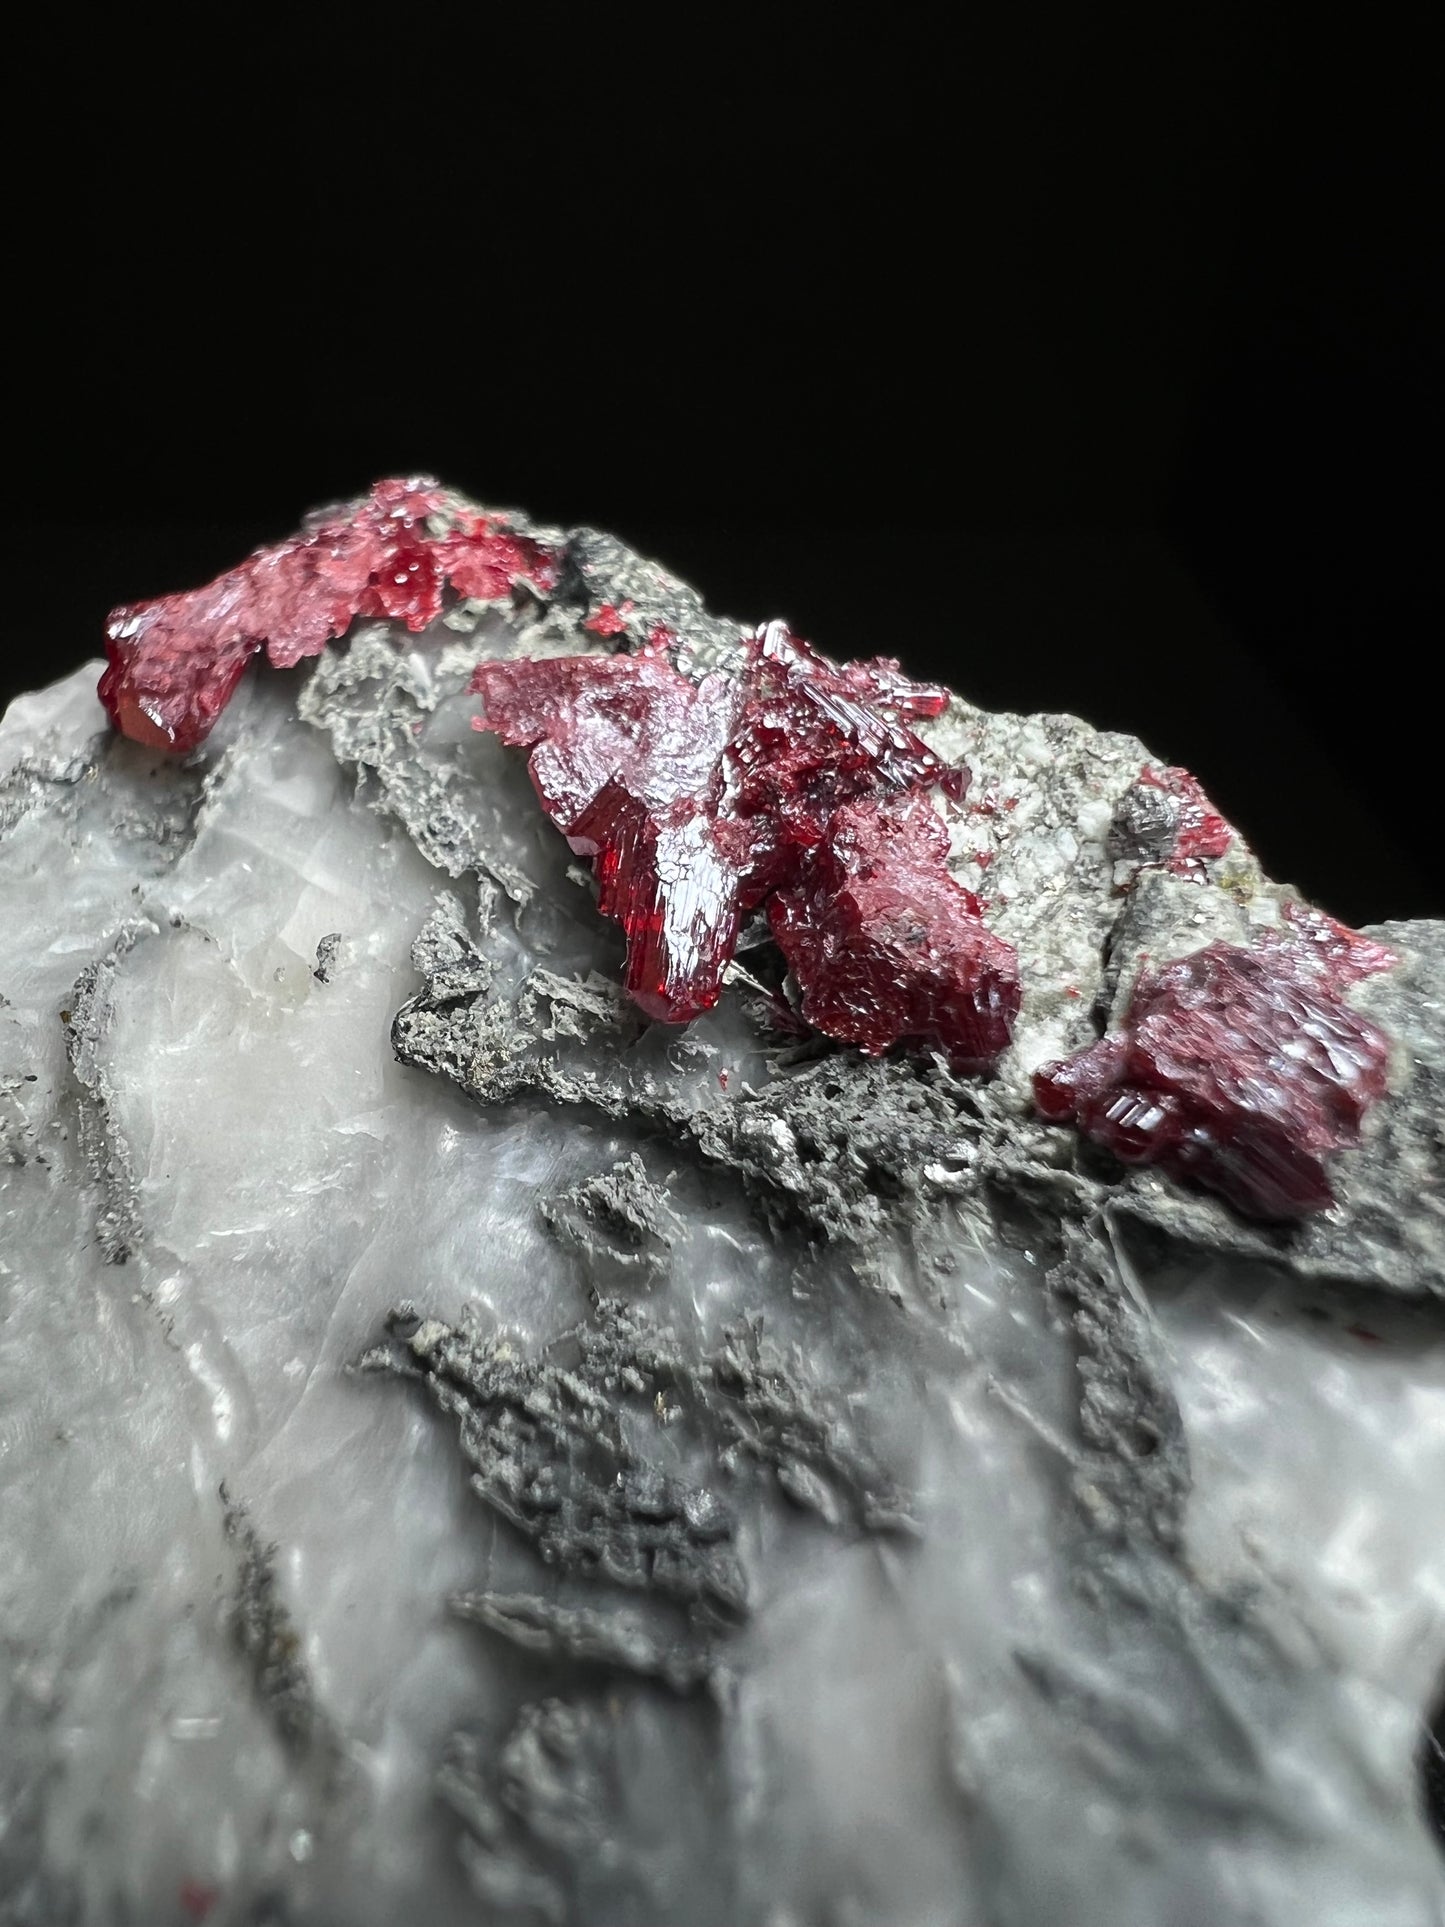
x: 1085, y: 364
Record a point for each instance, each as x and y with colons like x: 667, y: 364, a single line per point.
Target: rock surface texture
x: 472, y: 1451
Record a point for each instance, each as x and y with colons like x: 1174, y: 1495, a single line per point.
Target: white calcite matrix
x: 467, y: 1455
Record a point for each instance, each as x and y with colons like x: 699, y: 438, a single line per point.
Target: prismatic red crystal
x: 626, y: 756
x: 887, y: 947
x: 795, y: 783
x: 173, y: 664
x: 1242, y: 1069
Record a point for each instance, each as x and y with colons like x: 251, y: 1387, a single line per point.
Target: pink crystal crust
x: 795, y: 784
x: 173, y: 664
x: 1239, y: 1068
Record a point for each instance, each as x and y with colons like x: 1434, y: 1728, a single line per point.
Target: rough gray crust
x: 606, y: 571
x: 369, y: 699
x: 102, y: 1143
x: 619, y: 1220
x: 57, y: 780
x: 146, y: 806
x: 554, y: 1451
x: 837, y: 1145
x: 542, y: 1820
x: 840, y: 1146
x: 1132, y: 1476
x: 612, y: 1638
x: 766, y: 1407
x: 39, y: 781
x: 550, y: 1454
x: 553, y: 1443
x: 267, y: 1639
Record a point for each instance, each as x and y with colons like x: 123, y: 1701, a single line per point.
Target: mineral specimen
x: 789, y: 1484
x: 697, y: 799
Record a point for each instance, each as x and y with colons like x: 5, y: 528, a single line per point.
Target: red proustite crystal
x: 797, y: 781
x: 175, y: 662
x: 1200, y: 833
x: 626, y: 758
x: 1240, y: 1068
x: 887, y: 947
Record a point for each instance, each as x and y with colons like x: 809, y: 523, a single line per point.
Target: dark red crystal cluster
x: 173, y: 664
x: 788, y: 784
x: 1240, y: 1068
x: 794, y: 785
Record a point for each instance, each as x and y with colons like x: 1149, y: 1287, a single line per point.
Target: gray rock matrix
x: 467, y: 1454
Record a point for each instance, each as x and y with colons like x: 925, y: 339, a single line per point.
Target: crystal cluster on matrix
x: 1239, y: 1068
x: 173, y: 663
x: 794, y: 785
x: 786, y: 783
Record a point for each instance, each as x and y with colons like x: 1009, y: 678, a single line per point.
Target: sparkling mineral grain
x: 1241, y: 1069
x: 1166, y: 822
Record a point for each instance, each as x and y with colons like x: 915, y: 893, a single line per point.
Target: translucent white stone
x: 1034, y: 1708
